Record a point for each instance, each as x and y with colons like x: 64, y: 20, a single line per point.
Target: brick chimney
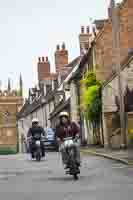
x: 61, y: 57
x: 84, y: 38
x: 43, y: 68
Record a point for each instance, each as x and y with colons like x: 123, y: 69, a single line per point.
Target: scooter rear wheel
x: 38, y: 157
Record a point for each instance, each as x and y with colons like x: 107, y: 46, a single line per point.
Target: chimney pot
x: 58, y: 47
x: 88, y: 29
x: 63, y: 46
x: 46, y: 59
x: 39, y: 59
x: 94, y: 30
x: 43, y: 59
x: 110, y: 12
x: 82, y: 29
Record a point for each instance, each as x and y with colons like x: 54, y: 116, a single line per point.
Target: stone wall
x: 111, y: 91
x: 109, y: 94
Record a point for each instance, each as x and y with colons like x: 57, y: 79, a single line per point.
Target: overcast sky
x: 32, y: 28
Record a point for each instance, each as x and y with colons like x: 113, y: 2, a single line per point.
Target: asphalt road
x: 22, y: 179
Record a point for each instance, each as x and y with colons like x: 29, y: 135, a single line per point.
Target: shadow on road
x: 66, y: 178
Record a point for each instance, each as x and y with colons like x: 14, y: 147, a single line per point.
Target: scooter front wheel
x: 75, y: 176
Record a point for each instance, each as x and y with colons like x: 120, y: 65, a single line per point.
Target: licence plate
x: 47, y: 143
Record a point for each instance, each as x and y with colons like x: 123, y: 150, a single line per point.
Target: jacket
x: 35, y: 130
x: 69, y: 130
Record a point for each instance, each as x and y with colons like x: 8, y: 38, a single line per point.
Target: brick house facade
x: 104, y: 45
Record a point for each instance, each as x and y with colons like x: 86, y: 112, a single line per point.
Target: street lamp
x: 117, y: 65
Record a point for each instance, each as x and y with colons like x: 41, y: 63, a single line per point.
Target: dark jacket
x: 35, y: 130
x: 69, y: 130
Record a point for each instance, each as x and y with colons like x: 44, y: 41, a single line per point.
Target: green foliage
x: 90, y: 94
x: 94, y: 109
x: 90, y: 80
x: 91, y: 98
x: 7, y: 150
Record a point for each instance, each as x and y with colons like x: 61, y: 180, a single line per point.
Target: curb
x: 105, y: 156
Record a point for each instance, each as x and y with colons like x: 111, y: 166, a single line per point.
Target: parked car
x: 50, y: 141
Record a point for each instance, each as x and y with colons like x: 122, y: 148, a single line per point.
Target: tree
x: 91, y: 103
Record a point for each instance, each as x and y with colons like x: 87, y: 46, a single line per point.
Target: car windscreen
x: 49, y: 132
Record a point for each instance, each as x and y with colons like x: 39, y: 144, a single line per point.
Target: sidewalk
x: 123, y: 156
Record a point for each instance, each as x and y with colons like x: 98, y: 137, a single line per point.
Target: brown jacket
x: 69, y: 130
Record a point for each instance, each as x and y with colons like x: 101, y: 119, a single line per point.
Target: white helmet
x: 64, y: 114
x: 35, y: 120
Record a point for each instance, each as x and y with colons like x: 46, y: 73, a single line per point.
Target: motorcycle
x: 72, y: 164
x: 36, y: 142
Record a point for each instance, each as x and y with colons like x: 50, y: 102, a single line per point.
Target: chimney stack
x: 61, y: 57
x: 110, y: 8
x: 43, y: 68
x: 39, y: 59
x: 84, y: 39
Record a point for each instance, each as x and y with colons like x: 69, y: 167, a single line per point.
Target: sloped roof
x: 124, y: 63
x: 100, y: 23
x: 29, y: 108
x: 68, y: 68
x: 61, y: 106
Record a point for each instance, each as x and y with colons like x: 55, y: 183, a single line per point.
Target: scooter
x: 73, y: 168
x: 36, y: 142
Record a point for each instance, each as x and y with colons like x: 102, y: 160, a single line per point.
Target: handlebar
x: 31, y: 137
x: 69, y: 138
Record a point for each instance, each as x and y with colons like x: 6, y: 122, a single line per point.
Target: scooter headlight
x: 38, y: 143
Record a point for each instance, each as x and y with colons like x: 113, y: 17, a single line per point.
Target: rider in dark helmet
x: 35, y: 129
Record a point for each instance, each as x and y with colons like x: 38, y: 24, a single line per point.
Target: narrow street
x: 100, y: 179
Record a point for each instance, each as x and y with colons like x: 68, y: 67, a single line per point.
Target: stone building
x: 11, y: 102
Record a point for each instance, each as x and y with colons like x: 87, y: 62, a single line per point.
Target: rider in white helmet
x: 64, y: 129
x: 35, y: 120
x: 35, y: 129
